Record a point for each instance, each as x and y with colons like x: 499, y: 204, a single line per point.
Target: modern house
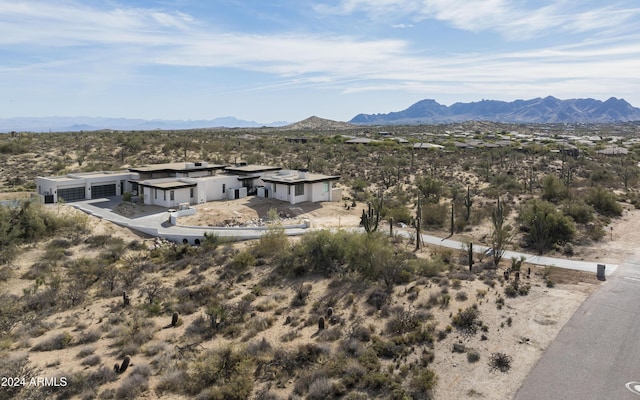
x: 300, y: 186
x: 84, y: 186
x: 169, y: 185
x: 250, y: 175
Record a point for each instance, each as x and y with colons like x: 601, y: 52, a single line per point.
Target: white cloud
x: 513, y: 20
x: 94, y: 48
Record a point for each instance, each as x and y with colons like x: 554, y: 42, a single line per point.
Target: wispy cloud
x: 61, y: 43
x: 513, y: 20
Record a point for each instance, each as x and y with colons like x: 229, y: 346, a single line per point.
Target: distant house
x: 300, y: 186
x: 361, y: 141
x: 570, y: 150
x: 427, y: 146
x: 296, y: 140
x: 613, y: 151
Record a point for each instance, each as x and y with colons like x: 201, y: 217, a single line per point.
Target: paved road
x: 597, y: 353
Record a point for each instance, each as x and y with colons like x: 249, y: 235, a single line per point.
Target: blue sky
x: 288, y: 59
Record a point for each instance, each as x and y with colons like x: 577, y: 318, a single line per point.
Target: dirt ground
x: 536, y: 319
x: 250, y: 209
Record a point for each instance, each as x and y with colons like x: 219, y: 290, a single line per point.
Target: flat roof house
x: 169, y: 185
x: 300, y: 186
x: 84, y: 186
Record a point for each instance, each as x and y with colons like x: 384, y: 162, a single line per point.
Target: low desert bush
x: 500, y: 362
x: 56, y: 342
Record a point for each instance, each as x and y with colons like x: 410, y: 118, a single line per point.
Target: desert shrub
x: 132, y: 386
x: 56, y: 342
x: 222, y: 374
x: 465, y: 321
x: 81, y: 382
x: 243, y: 260
x: 459, y: 348
x: 435, y: 215
x: 462, y: 296
x: 604, y: 202
x: 430, y: 267
x: 403, y: 321
x: 423, y: 383
x: 545, y: 225
x: 473, y: 356
x: 500, y: 362
x: 91, y: 360
x: 553, y: 189
x: 378, y: 298
x: 15, y: 365
x: 399, y: 213
x: 320, y: 389
x: 511, y: 290
x: 90, y: 336
x: 273, y: 243
x: 580, y: 212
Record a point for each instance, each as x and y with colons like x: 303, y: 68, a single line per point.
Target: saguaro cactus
x: 371, y: 218
x: 125, y: 298
x: 321, y: 323
x: 468, y: 202
x: 452, y: 222
x: 470, y: 256
x: 125, y: 364
x: 174, y: 318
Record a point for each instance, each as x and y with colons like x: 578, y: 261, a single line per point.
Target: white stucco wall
x: 181, y: 195
x: 212, y: 187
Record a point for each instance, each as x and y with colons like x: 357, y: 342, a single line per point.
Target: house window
x: 288, y: 190
x: 172, y: 195
x: 299, y: 189
x: 224, y: 187
x: 191, y: 192
x: 164, y: 192
x: 326, y: 187
x: 155, y: 193
x: 275, y: 187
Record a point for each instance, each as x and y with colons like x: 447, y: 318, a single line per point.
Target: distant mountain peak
x: 314, y: 122
x: 539, y: 110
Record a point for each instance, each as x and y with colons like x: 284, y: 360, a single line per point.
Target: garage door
x: 99, y: 191
x: 71, y: 194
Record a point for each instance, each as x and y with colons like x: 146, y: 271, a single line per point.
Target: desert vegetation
x: 332, y: 314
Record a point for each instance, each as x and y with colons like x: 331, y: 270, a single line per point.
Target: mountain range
x: 429, y: 111
x: 75, y: 124
x: 538, y: 110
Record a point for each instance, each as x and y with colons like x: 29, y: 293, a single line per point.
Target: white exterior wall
x: 51, y: 185
x: 212, y: 187
x: 303, y: 197
x: 181, y: 195
x: 319, y: 192
x: 47, y: 186
x: 279, y: 192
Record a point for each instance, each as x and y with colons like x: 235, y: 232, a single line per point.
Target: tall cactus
x: 499, y: 235
x: 371, y: 218
x: 468, y: 202
x: 470, y: 256
x: 418, y: 224
x: 452, y: 221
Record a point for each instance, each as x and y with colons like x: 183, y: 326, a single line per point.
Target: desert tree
x: 545, y: 225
